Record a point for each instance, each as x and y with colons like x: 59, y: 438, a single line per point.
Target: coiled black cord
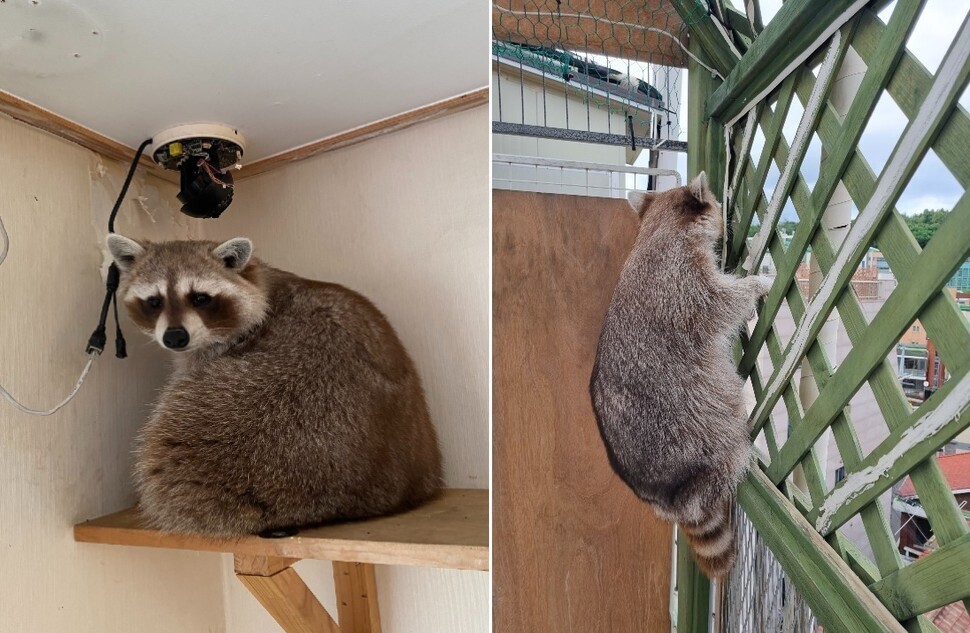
x: 99, y: 337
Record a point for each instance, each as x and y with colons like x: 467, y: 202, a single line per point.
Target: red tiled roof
x: 956, y: 469
x: 953, y: 618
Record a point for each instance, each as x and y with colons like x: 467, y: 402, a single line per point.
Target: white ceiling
x: 283, y: 73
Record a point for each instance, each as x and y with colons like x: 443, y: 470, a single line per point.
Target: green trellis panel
x: 764, y: 71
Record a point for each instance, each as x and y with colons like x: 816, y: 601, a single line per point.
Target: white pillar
x: 835, y: 223
x: 668, y: 81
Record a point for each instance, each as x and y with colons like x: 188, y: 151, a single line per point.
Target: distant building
x: 876, y: 261
x: 915, y: 530
x: 961, y: 279
x: 564, y: 96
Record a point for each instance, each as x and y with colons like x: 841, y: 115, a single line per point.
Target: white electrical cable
x: 629, y: 25
x: 4, y: 248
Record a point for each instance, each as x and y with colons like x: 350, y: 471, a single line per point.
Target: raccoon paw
x: 763, y: 285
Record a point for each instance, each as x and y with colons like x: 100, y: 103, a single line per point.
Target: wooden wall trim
x: 38, y: 117
x: 356, y: 135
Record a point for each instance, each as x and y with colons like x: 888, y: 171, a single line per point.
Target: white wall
x: 75, y: 465
x: 402, y: 219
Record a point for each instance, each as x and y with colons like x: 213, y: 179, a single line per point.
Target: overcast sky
x: 932, y: 186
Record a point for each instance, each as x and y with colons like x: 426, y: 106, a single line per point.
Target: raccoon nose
x: 175, y: 338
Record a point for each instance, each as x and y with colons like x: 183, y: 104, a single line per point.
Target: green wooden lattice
x: 766, y: 69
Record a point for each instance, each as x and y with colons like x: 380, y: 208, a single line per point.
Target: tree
x: 925, y: 224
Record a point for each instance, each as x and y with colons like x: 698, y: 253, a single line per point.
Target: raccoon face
x: 692, y: 209
x: 189, y: 295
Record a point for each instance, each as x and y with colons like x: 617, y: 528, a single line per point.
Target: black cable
x: 121, y: 349
x: 99, y: 338
x: 124, y: 187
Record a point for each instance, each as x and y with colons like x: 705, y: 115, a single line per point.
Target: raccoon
x: 665, y: 391
x: 292, y: 401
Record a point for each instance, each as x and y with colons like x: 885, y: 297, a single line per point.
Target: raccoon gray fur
x: 667, y: 397
x: 293, y: 401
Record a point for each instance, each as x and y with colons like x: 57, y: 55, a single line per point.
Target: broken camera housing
x: 203, y: 154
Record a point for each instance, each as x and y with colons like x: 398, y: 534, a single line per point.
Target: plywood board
x: 450, y: 531
x: 575, y: 550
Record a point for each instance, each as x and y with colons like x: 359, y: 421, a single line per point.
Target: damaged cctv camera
x: 203, y: 154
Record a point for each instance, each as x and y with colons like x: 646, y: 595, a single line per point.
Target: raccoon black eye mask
x: 293, y: 402
x: 664, y: 388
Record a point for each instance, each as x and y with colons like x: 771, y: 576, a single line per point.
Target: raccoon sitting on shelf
x: 292, y: 402
x: 665, y: 390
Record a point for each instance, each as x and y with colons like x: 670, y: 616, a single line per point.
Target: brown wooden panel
x: 574, y: 549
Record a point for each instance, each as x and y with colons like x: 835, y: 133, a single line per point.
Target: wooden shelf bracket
x: 281, y: 591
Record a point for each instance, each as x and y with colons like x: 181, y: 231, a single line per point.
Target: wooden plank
x: 772, y: 132
x: 945, y: 518
x: 603, y: 28
x: 944, y: 324
x: 741, y: 152
x: 838, y: 155
x: 290, y: 602
x: 935, y: 495
x: 363, y: 133
x: 798, y: 29
x: 943, y: 321
x: 915, y: 288
x: 874, y: 518
x: 909, y: 85
x: 708, y: 35
x: 799, y: 147
x: 740, y: 23
x: 693, y: 588
x: 254, y: 565
x: 574, y: 548
x: 357, y: 606
x: 450, y: 531
x: 839, y: 600
x: 947, y: 414
x: 903, y: 161
x: 931, y: 582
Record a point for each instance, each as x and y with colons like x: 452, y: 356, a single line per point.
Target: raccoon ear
x: 699, y: 188
x: 640, y: 201
x: 235, y: 252
x: 124, y: 250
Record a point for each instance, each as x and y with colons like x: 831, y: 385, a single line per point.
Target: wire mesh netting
x: 758, y: 597
x: 604, y: 72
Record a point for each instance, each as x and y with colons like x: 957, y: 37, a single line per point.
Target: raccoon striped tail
x: 713, y: 542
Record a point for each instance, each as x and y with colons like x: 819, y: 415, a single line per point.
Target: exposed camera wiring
x: 98, y: 337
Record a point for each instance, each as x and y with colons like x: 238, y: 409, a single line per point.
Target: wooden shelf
x: 449, y: 532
